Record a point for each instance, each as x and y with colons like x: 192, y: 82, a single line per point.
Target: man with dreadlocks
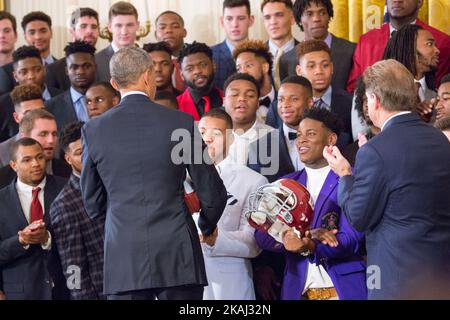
x: 372, y: 44
x: 197, y: 70
x: 415, y: 48
x: 70, y: 106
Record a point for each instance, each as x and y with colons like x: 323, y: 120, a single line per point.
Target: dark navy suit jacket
x: 151, y: 240
x: 27, y: 274
x: 399, y: 196
x: 225, y: 65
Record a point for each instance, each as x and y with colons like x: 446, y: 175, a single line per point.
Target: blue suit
x: 133, y: 172
x: 344, y: 264
x: 399, y: 196
x: 225, y: 65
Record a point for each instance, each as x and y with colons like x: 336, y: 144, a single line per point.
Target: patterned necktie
x: 321, y: 104
x: 36, y: 212
x: 276, y: 73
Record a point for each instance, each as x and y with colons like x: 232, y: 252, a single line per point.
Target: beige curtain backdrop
x: 201, y: 17
x: 352, y: 17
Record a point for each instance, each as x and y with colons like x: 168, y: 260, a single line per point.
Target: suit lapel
x: 72, y: 115
x: 284, y: 151
x: 50, y: 194
x: 329, y: 185
x: 15, y: 201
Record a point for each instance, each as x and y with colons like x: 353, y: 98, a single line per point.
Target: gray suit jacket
x: 151, y: 240
x: 102, y: 59
x: 4, y: 150
x: 341, y: 53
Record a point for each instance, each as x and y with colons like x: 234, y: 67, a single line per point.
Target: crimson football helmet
x: 279, y: 206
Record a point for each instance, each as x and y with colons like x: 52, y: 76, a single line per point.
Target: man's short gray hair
x: 128, y: 64
x: 393, y: 84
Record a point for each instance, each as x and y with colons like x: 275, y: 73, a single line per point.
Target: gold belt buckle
x: 321, y: 294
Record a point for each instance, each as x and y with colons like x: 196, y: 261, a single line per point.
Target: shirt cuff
x: 47, y: 246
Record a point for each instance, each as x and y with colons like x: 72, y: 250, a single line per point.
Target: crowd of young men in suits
x: 265, y: 110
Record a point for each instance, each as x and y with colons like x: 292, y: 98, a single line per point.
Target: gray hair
x: 393, y: 84
x: 128, y: 64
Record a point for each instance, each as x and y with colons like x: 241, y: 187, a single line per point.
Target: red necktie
x: 178, y: 80
x: 207, y: 107
x: 36, y: 212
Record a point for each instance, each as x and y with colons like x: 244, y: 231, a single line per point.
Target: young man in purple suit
x: 327, y: 263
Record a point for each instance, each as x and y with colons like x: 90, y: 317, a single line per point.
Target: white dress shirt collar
x: 392, y: 117
x: 134, y: 92
x: 288, y: 46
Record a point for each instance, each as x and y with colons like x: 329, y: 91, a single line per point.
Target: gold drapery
x: 2, y: 5
x: 352, y: 18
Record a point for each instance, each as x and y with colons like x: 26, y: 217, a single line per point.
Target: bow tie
x: 265, y: 102
x: 292, y: 136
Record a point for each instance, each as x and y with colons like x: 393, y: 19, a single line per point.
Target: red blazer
x: 186, y: 103
x: 371, y: 46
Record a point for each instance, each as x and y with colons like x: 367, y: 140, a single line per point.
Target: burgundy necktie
x: 36, y: 212
x: 178, y: 80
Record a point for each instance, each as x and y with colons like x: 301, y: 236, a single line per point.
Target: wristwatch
x: 305, y: 253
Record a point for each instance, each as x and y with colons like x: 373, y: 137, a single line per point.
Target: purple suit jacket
x: 344, y: 264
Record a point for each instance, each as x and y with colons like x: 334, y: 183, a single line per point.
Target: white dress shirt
x: 292, y: 148
x: 238, y: 152
x: 316, y: 277
x: 25, y: 193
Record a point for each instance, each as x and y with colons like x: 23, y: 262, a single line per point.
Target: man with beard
x: 254, y: 58
x: 197, y: 67
x: 70, y: 106
x: 372, y: 44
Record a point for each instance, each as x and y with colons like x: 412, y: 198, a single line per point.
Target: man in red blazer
x: 372, y: 44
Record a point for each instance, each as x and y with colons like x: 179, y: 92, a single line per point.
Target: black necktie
x: 292, y: 136
x: 265, y: 102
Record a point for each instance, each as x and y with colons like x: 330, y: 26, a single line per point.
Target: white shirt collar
x: 326, y: 97
x: 392, y: 29
x: 134, y: 92
x: 114, y: 47
x: 287, y: 130
x: 392, y: 117
x: 27, y: 189
x: 271, y: 95
x: 288, y: 46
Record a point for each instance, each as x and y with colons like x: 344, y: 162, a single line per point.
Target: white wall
x: 201, y: 17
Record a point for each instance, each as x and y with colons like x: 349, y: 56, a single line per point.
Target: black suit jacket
x: 56, y: 75
x: 102, y: 59
x: 274, y: 147
x: 341, y: 54
x: 28, y: 274
x: 63, y: 109
x: 8, y: 126
x: 7, y: 81
x: 60, y: 169
x: 151, y: 240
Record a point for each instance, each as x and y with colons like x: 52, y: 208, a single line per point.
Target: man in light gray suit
x: 123, y: 25
x: 313, y: 17
x: 134, y: 167
x: 25, y: 98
